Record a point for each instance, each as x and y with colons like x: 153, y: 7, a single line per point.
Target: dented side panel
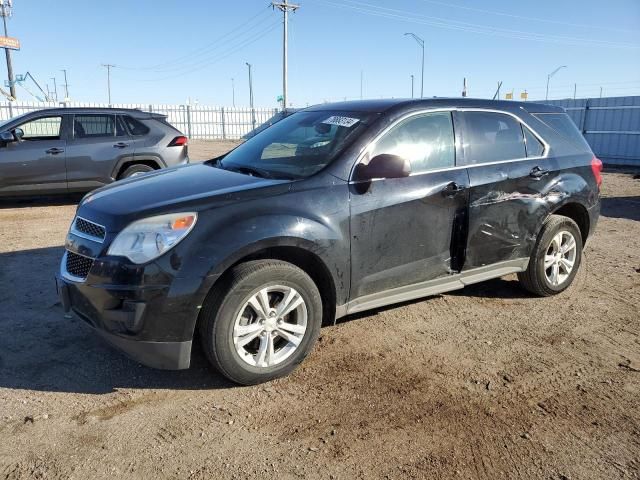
x: 507, y: 205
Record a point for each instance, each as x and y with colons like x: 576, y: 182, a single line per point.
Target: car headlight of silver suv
x: 147, y: 239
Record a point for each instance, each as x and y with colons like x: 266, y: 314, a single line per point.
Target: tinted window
x: 492, y: 137
x: 135, y: 127
x: 91, y: 126
x: 45, y: 128
x: 426, y: 141
x: 120, y: 130
x: 535, y: 148
x: 562, y: 123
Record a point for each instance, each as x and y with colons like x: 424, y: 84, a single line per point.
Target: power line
x: 384, y: 12
x: 178, y: 63
x: 523, y: 17
x: 204, y: 64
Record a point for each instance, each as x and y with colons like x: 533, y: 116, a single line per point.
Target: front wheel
x: 555, y: 259
x: 261, y: 322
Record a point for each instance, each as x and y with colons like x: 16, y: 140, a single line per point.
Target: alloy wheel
x: 560, y: 258
x: 270, y: 326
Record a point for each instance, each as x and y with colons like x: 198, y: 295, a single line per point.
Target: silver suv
x: 66, y: 150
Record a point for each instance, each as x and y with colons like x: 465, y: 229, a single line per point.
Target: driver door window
x: 43, y: 128
x: 427, y: 141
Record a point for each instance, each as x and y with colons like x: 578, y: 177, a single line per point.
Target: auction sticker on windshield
x: 341, y: 121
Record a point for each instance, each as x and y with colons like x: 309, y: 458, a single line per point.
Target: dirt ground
x: 483, y: 383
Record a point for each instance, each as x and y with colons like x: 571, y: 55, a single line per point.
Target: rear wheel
x: 135, y: 170
x: 262, y: 322
x: 555, y: 259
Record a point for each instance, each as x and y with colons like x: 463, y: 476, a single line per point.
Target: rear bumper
x: 120, y: 326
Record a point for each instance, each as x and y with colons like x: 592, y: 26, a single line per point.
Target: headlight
x: 146, y: 239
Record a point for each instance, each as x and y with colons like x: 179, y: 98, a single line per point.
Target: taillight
x: 596, y: 168
x: 179, y: 141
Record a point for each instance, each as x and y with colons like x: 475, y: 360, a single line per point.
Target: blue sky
x: 168, y: 51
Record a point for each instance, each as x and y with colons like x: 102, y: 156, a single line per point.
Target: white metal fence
x: 195, y: 121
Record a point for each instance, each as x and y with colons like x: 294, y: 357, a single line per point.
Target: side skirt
x: 432, y: 287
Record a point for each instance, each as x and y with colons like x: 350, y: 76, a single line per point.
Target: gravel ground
x: 486, y: 382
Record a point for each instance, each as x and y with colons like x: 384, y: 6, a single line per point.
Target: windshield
x: 297, y: 146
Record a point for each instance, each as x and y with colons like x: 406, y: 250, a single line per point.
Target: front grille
x: 77, y: 265
x: 89, y: 228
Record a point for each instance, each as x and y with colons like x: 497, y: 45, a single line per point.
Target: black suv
x: 65, y: 150
x: 336, y: 209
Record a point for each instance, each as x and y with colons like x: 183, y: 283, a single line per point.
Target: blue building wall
x: 611, y: 125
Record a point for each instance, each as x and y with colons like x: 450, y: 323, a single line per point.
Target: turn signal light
x: 596, y: 168
x: 183, y: 222
x: 179, y: 141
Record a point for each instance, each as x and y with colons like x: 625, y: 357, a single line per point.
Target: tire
x: 228, y: 319
x: 554, y: 238
x: 135, y: 170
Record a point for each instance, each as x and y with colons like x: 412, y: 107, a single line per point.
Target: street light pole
x: 253, y: 116
x: 420, y: 42
x: 66, y: 85
x: 233, y: 93
x: 55, y: 88
x: 549, y: 78
x: 411, y: 86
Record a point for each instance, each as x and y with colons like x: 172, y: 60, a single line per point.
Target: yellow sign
x: 524, y: 95
x: 509, y: 96
x: 10, y: 43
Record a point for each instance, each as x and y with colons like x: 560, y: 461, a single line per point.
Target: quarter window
x: 44, y: 128
x: 92, y: 126
x: 426, y: 141
x: 535, y: 148
x: 492, y: 137
x: 135, y: 127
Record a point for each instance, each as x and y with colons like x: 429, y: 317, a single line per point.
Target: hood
x: 190, y: 187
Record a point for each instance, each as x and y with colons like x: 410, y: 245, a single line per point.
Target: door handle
x: 537, y: 172
x: 54, y: 151
x: 451, y: 189
x: 121, y: 145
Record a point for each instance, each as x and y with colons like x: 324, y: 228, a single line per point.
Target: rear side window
x: 426, y: 141
x: 492, y: 137
x: 134, y: 126
x: 93, y: 126
x: 562, y: 123
x: 535, y: 148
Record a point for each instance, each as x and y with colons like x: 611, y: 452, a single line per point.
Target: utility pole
x: 420, y: 42
x: 549, y: 78
x: 66, y: 86
x: 284, y: 7
x: 108, y: 66
x: 361, y: 83
x: 412, y: 86
x: 600, y: 92
x: 575, y: 87
x: 55, y: 88
x: 253, y: 115
x: 5, y: 11
x: 233, y: 93
x: 464, y: 87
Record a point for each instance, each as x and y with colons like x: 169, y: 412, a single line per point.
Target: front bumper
x: 118, y: 325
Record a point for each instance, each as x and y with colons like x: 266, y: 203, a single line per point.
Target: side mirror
x: 7, y: 137
x: 18, y: 133
x: 384, y: 165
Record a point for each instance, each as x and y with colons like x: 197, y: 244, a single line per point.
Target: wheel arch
x: 154, y: 162
x: 299, y: 254
x: 578, y: 213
